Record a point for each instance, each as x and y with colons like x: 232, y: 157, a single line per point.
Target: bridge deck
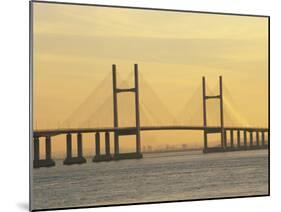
x: 54, y: 132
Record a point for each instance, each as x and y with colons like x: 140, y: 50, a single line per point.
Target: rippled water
x: 156, y: 177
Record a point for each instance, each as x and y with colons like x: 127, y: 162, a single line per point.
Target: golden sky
x: 75, y: 46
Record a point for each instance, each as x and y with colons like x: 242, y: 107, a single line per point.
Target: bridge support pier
x: 262, y: 138
x: 238, y: 138
x: 107, y: 156
x: 116, y: 144
x: 257, y: 138
x: 36, y: 152
x: 225, y: 139
x: 251, y: 138
x: 107, y: 146
x: 205, y: 141
x: 97, y: 141
x: 69, y: 160
x: 245, y: 138
x: 47, y: 162
x: 231, y: 139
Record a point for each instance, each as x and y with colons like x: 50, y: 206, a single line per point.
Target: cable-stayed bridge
x: 232, y: 137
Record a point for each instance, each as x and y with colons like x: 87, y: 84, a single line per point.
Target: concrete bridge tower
x: 135, y: 130
x: 221, y: 129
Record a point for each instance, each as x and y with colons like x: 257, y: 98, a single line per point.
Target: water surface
x: 156, y: 177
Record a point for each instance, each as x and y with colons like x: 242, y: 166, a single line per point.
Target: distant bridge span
x: 248, y: 133
x: 131, y: 130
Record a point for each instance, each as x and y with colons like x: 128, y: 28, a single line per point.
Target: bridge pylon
x: 132, y: 131
x: 221, y: 129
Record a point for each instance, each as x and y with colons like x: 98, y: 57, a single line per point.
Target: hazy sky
x: 75, y: 46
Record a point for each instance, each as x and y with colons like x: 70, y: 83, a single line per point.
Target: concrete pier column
x: 47, y: 161
x: 107, y: 144
x: 68, y: 146
x: 36, y: 146
x: 238, y: 138
x: 222, y: 141
x: 74, y: 160
x: 225, y: 139
x: 251, y: 138
x: 231, y: 139
x: 79, y: 145
x: 97, y: 144
x: 257, y: 138
x: 262, y: 138
x: 205, y: 141
x: 245, y: 138
x: 48, y: 147
x: 116, y: 144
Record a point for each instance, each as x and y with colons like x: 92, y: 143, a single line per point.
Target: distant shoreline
x: 172, y: 150
x: 145, y: 153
